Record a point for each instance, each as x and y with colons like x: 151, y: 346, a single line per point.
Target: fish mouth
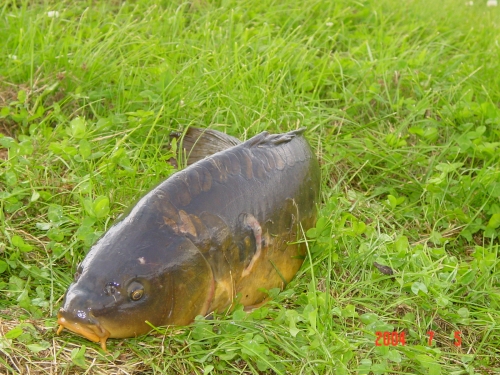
x: 92, y: 331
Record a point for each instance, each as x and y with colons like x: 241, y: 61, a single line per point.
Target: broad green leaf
x: 77, y: 127
x: 429, y: 363
x: 208, y: 369
x: 21, y: 96
x: 14, y: 333
x: 227, y: 356
x: 448, y: 167
x: 349, y: 312
x: 25, y: 148
x: 468, y: 277
x: 425, y: 360
x: 442, y: 301
x: 463, y: 312
x: 380, y: 368
x: 35, y: 196
x: 55, y: 213
x: 89, y: 207
x: 35, y: 348
x: 368, y: 318
x: 364, y: 366
x: 401, y: 245
x: 44, y: 226
x: 431, y: 134
x: 101, y: 207
x: 494, y: 221
x: 292, y: 317
x: 239, y: 315
x: 393, y: 202
x: 312, y: 233
x: 262, y: 365
x: 418, y: 286
x: 78, y: 357
x: 394, y: 356
x: 10, y: 178
x: 19, y: 243
x: 55, y: 234
x: 7, y: 142
x: 85, y: 149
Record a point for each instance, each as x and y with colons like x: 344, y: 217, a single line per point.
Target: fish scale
x: 222, y: 230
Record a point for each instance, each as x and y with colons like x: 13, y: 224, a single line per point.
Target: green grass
x: 401, y: 101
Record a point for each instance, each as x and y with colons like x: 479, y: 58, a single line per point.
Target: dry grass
x: 57, y: 359
x: 8, y: 94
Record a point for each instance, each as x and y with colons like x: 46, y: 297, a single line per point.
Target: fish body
x: 225, y: 226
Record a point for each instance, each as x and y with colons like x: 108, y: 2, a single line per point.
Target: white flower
x: 53, y: 14
x: 492, y: 3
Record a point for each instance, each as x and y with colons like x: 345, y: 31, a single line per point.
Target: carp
x: 224, y: 229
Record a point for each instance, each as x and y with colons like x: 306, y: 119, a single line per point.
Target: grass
x: 401, y: 101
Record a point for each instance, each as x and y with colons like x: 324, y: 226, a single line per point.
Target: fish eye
x: 135, y: 291
x: 137, y: 294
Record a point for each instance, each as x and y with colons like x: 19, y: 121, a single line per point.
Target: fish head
x: 115, y: 306
x: 134, y: 276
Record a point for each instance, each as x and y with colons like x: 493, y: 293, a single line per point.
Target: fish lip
x: 93, y: 331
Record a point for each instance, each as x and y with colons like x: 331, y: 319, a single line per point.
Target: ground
x: 401, y: 104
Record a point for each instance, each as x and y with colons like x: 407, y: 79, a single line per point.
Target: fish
x: 218, y: 233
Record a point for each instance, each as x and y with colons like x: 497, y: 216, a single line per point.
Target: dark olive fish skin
x: 227, y: 225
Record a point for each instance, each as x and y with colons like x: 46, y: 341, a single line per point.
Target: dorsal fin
x: 197, y: 144
x: 265, y: 139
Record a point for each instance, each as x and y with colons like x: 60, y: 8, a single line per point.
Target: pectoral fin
x: 250, y: 221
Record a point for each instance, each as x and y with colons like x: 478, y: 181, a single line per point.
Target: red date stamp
x: 390, y: 338
x: 395, y: 338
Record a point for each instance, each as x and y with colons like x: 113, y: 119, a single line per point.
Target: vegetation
x: 401, y: 101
